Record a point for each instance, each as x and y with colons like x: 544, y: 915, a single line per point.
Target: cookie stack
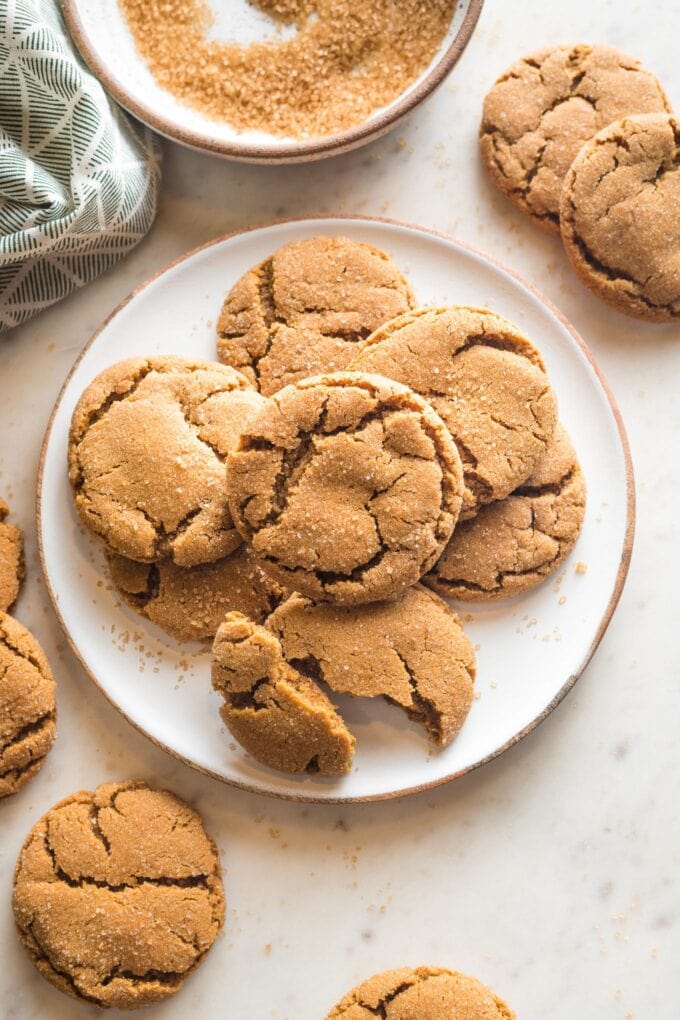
x: 306, y: 501
x: 582, y: 139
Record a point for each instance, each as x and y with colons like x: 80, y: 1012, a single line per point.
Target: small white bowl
x: 105, y: 42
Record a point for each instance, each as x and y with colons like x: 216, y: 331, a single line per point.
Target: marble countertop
x: 551, y: 874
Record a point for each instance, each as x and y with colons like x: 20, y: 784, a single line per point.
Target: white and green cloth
x: 79, y: 181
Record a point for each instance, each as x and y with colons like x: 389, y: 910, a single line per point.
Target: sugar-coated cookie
x: 118, y: 895
x: 12, y: 567
x: 303, y: 310
x: 347, y: 486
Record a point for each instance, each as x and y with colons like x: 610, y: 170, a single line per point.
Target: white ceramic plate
x: 103, y: 38
x: 531, y: 649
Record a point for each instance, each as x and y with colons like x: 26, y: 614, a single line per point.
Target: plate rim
x: 291, y: 152
x: 621, y: 574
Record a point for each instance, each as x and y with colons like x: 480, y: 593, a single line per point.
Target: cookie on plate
x: 303, y: 310
x: 421, y: 993
x: 513, y: 545
x: 12, y: 567
x: 620, y: 216
x: 27, y: 706
x: 280, y: 717
x: 542, y: 110
x: 191, y: 602
x: 148, y: 443
x: 484, y: 378
x: 410, y: 649
x: 347, y: 486
x: 118, y: 895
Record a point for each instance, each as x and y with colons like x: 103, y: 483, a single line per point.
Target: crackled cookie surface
x: 621, y: 216
x: 421, y: 993
x: 410, y: 649
x: 191, y: 602
x: 280, y: 717
x: 149, y: 439
x: 12, y: 569
x: 118, y: 895
x: 542, y: 110
x: 347, y: 486
x: 302, y: 311
x: 514, y: 544
x: 27, y: 706
x: 485, y: 380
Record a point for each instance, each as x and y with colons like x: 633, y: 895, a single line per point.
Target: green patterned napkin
x: 78, y: 181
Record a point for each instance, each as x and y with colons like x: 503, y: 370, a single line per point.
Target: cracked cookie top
x: 620, y: 216
x: 118, y: 895
x: 27, y: 706
x: 12, y: 568
x: 148, y: 444
x: 347, y: 486
x: 421, y: 993
x: 411, y: 650
x: 514, y: 544
x: 282, y: 718
x: 485, y: 380
x: 541, y: 111
x: 190, y: 602
x: 302, y: 311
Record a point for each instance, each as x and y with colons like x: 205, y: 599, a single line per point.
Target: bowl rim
x: 315, y: 148
x: 621, y: 575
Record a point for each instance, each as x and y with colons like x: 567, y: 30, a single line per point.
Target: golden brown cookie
x: 514, y: 544
x: 27, y: 706
x: 410, y: 650
x: 423, y: 993
x: 281, y: 718
x: 191, y: 602
x: 541, y: 111
x: 485, y: 380
x: 302, y: 311
x: 118, y: 895
x: 12, y: 566
x: 347, y: 486
x: 621, y: 216
x: 149, y: 439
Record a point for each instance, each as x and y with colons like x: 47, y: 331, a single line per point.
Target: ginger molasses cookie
x: 421, y: 993
x: 541, y: 111
x: 347, y: 486
x: 191, y: 602
x: 410, y: 649
x: 280, y: 717
x: 514, y: 544
x: 620, y: 216
x: 12, y: 567
x: 302, y: 311
x: 485, y: 380
x: 27, y: 706
x: 118, y: 895
x: 148, y: 444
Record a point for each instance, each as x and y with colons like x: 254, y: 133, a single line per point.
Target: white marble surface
x: 550, y: 874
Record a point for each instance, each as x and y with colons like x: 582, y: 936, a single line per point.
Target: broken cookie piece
x: 347, y: 487
x: 27, y: 706
x: 421, y: 993
x: 148, y: 444
x: 303, y: 311
x: 191, y: 602
x: 513, y: 545
x: 411, y: 650
x: 12, y: 567
x: 485, y: 380
x: 281, y: 718
x: 118, y: 895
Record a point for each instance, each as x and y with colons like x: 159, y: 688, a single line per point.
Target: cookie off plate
x: 530, y: 649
